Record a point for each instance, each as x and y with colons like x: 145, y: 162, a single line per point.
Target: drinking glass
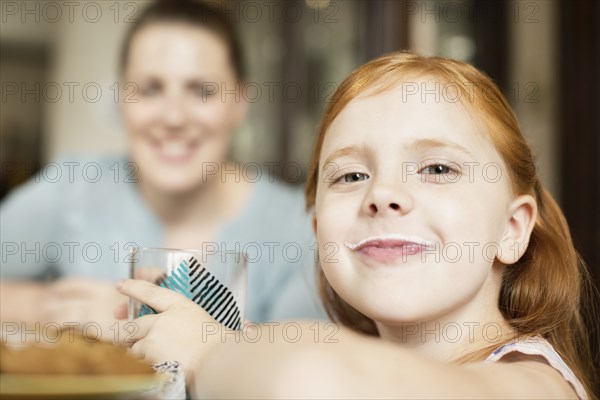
x: 216, y: 281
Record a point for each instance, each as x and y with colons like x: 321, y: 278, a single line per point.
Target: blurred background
x: 58, y: 71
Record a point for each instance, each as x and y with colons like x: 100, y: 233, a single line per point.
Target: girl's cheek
x: 335, y: 219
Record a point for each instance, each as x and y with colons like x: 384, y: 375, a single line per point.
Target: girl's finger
x: 156, y: 297
x: 120, y: 312
x: 133, y: 331
x: 138, y: 349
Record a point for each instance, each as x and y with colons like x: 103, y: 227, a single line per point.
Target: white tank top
x: 540, y: 346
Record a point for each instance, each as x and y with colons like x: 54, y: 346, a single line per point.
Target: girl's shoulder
x: 539, y: 346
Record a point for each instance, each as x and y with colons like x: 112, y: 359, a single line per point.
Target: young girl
x: 448, y: 265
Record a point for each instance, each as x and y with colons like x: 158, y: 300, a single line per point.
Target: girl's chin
x: 398, y: 313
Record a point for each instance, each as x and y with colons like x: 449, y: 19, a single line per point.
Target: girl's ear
x: 522, y: 217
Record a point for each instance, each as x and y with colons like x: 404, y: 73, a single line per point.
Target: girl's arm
x: 303, y: 360
x: 359, y: 367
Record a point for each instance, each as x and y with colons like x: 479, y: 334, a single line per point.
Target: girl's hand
x: 181, y: 331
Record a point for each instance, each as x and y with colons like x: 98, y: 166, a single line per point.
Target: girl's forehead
x: 407, y: 102
x: 410, y: 111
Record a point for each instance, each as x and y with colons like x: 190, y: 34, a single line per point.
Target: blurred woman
x: 181, y: 69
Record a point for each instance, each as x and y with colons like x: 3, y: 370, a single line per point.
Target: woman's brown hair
x: 547, y: 292
x: 192, y: 13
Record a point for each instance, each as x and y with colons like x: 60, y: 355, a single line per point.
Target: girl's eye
x: 353, y: 177
x: 436, y: 169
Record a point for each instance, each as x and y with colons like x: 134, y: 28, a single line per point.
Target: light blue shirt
x: 78, y: 217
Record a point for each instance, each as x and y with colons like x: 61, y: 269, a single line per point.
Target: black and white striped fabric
x: 196, y: 283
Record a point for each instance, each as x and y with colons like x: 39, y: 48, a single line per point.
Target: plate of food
x: 74, y: 367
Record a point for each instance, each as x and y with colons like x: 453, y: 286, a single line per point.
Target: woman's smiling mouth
x: 175, y: 151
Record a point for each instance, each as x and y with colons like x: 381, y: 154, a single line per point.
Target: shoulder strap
x: 540, y: 346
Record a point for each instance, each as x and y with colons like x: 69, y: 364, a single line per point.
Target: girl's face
x: 178, y: 117
x: 413, y: 205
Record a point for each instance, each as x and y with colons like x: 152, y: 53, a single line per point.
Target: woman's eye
x: 353, y: 177
x: 204, y: 91
x: 150, y: 89
x: 436, y: 169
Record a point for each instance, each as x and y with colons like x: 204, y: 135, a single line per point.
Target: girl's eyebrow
x: 345, y: 151
x: 422, y: 144
x: 436, y: 144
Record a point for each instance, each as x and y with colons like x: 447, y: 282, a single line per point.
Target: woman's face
x: 179, y: 105
x: 413, y: 205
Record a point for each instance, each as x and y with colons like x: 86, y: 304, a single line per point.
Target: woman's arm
x: 69, y: 302
x: 29, y: 223
x: 19, y: 302
x: 308, y: 359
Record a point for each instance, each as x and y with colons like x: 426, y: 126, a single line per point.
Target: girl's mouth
x: 390, y: 247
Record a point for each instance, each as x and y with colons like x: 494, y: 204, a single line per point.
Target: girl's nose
x: 386, y: 199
